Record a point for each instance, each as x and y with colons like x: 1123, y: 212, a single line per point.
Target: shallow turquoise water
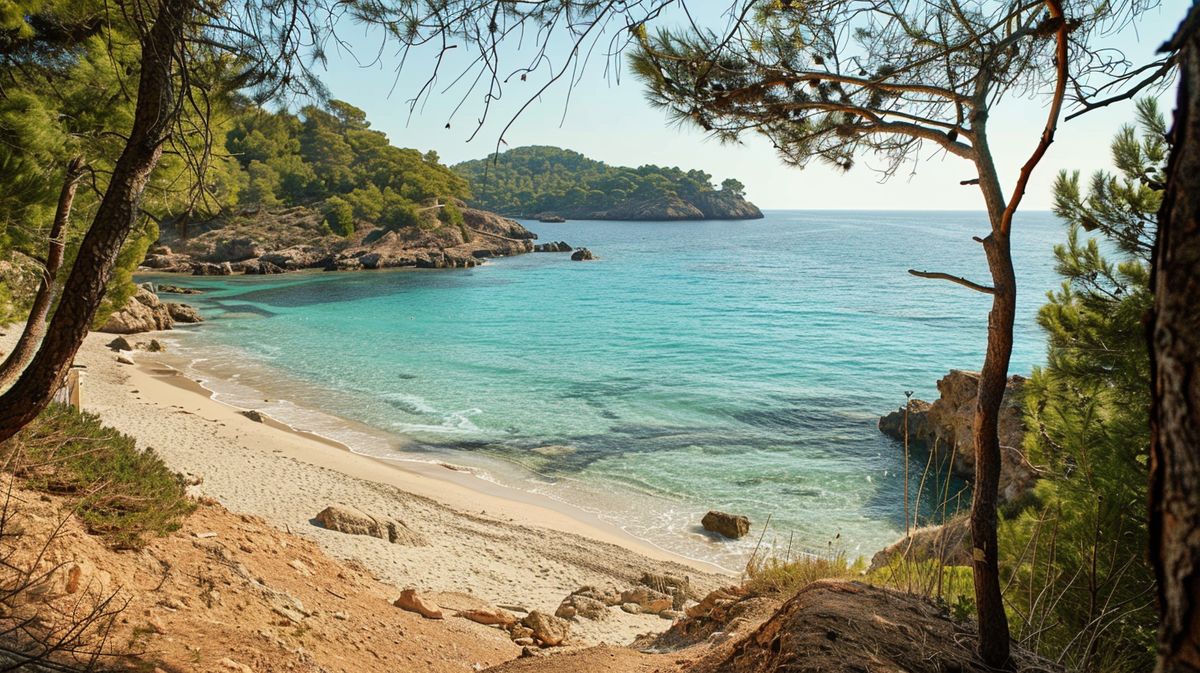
x: 731, y: 365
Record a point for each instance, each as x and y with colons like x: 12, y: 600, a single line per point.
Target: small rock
x: 155, y: 346
x: 582, y: 255
x: 632, y: 608
x: 184, y: 313
x: 648, y: 599
x: 490, y: 616
x: 547, y: 629
x: 524, y: 642
x: 671, y: 614
x: 731, y: 526
x: 120, y: 344
x: 413, y: 602
x: 124, y: 359
x: 577, y: 605
x: 254, y: 415
x: 519, y: 631
x: 232, y: 665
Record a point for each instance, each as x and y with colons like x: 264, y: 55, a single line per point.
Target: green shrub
x: 120, y: 492
x: 339, y: 216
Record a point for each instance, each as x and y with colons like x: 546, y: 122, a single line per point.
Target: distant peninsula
x: 540, y: 182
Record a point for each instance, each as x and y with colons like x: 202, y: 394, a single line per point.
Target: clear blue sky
x: 611, y: 121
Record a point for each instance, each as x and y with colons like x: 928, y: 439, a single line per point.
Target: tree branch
x: 937, y: 275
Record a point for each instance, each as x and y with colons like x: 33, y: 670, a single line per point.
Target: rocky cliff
x: 267, y: 241
x: 944, y: 427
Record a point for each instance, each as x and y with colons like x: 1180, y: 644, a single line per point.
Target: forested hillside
x: 326, y: 158
x: 536, y: 181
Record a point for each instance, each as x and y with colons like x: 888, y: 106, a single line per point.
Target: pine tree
x: 1082, y: 587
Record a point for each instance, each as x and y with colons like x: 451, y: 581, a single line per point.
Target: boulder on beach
x: 120, y: 344
x: 142, y: 312
x: 732, y: 526
x: 576, y: 605
x: 347, y: 519
x: 647, y: 599
x: 549, y: 630
x: 414, y: 602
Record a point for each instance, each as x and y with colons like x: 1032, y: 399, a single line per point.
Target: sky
x: 607, y: 118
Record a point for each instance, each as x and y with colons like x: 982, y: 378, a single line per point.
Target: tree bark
x: 1174, y: 334
x: 154, y: 115
x: 989, y: 601
x: 35, y: 325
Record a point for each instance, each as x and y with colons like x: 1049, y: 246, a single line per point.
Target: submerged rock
x: 582, y: 255
x: 731, y: 526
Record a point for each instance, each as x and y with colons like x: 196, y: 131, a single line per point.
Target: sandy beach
x: 501, y: 545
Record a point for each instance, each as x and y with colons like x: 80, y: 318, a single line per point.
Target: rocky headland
x: 269, y: 241
x: 713, y: 205
x: 944, y: 427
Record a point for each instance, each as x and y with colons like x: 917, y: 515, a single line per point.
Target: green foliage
x: 332, y: 155
x: 120, y: 492
x: 339, y: 216
x: 450, y: 214
x: 733, y: 187
x: 1081, y: 586
x: 531, y: 180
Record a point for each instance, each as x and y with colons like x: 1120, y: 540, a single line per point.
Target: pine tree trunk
x: 989, y: 602
x: 1175, y: 378
x: 35, y: 324
x: 84, y: 288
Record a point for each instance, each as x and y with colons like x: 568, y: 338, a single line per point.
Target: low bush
x: 119, y: 491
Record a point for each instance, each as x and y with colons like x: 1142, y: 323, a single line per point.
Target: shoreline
x: 452, y: 485
x: 471, y: 542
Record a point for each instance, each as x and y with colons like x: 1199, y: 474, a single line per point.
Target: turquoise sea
x: 739, y: 366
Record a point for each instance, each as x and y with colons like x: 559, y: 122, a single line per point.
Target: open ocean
x: 739, y: 366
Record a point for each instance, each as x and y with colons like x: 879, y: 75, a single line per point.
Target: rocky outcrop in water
x: 944, y: 427
x: 731, y: 526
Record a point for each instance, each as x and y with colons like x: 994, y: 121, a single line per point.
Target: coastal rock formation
x: 175, y: 289
x: 265, y: 241
x: 346, y: 519
x: 414, y: 602
x: 731, y: 526
x: 582, y: 255
x: 553, y: 246
x: 183, y: 313
x: 212, y: 269
x: 143, y: 312
x: 944, y: 427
